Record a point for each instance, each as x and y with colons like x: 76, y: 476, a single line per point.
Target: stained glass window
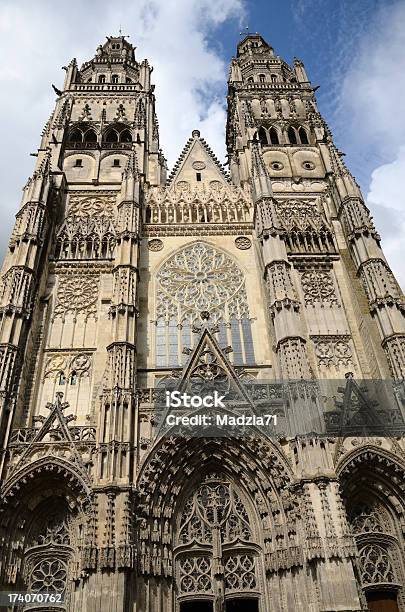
x: 200, y: 278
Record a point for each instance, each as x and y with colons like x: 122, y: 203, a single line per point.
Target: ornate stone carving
x: 58, y: 363
x: 243, y: 243
x: 376, y: 565
x: 102, y: 204
x: 181, y: 204
x: 155, y: 244
x: 318, y: 288
x: 199, y: 165
x: 200, y: 278
x: 333, y: 351
x: 77, y: 294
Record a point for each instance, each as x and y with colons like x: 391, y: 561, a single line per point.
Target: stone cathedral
x: 266, y: 278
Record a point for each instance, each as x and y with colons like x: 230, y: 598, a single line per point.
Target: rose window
x: 200, y: 279
x: 48, y: 576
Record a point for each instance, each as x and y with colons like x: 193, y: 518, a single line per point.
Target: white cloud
x: 372, y: 101
x: 37, y: 38
x: 386, y: 198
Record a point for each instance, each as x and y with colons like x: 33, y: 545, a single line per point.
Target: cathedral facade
x: 266, y: 279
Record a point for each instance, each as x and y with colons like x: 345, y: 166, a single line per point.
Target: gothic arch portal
x: 372, y: 487
x: 206, y: 557
x: 44, y: 528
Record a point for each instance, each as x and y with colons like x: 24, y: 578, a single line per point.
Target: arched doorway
x: 373, y: 505
x: 217, y: 557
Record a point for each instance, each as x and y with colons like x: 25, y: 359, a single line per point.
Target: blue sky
x: 353, y: 49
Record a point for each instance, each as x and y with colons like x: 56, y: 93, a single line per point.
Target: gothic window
x: 303, y: 135
x: 263, y: 136
x: 46, y: 561
x: 62, y: 379
x: 76, y: 136
x: 126, y: 136
x: 292, y: 136
x: 376, y: 542
x: 89, y: 236
x: 111, y: 136
x: 274, y: 136
x: 367, y: 519
x: 250, y: 80
x: 273, y: 78
x: 200, y: 278
x: 215, y: 526
x: 262, y: 78
x: 117, y: 137
x: 114, y: 78
x: 101, y: 78
x: 375, y: 565
x: 90, y: 136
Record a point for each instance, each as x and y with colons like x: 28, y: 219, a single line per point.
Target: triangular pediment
x: 356, y: 414
x: 209, y: 369
x: 197, y: 166
x: 53, y: 433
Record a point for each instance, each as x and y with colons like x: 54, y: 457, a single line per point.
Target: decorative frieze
x: 101, y: 204
x: 66, y: 365
x: 333, y: 351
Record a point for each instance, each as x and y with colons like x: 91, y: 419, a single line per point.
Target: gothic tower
x: 270, y: 284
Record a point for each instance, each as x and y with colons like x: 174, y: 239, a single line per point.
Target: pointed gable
x: 197, y: 164
x: 209, y: 369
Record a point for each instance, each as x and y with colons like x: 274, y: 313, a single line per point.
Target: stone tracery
x: 196, y: 279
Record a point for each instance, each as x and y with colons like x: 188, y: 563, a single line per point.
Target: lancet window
x: 196, y: 279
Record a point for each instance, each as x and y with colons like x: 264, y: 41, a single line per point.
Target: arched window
x: 274, y: 78
x: 292, y: 136
x: 111, y: 136
x: 76, y: 136
x: 371, y: 527
x: 47, y: 558
x: 125, y: 136
x: 303, y: 135
x: 61, y: 379
x: 263, y: 136
x: 201, y: 278
x: 274, y: 136
x: 215, y: 525
x: 262, y: 78
x: 114, y: 78
x: 250, y: 80
x: 101, y: 78
x: 90, y: 136
x: 73, y: 378
x: 128, y: 80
